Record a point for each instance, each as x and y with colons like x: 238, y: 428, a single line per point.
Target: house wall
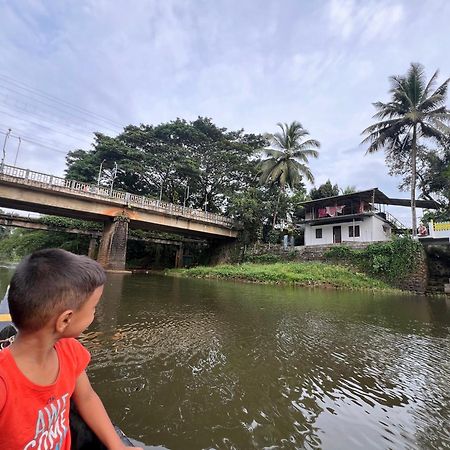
x: 370, y: 228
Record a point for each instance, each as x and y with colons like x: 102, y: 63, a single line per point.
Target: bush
x: 266, y: 258
x: 339, y: 252
x: 391, y: 261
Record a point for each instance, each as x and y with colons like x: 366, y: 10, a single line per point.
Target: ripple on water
x: 231, y: 373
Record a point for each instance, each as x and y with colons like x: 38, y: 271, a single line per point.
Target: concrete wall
x: 370, y: 230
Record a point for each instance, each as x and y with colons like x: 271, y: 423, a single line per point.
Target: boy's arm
x: 93, y: 412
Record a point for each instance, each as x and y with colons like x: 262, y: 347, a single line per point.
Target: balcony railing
x: 42, y: 180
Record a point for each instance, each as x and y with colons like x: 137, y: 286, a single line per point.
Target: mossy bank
x: 299, y: 274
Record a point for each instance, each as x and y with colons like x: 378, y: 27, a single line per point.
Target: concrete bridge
x: 26, y: 190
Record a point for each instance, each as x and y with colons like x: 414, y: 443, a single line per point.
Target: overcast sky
x: 69, y: 68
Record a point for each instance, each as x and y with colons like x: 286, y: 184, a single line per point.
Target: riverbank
x: 299, y: 274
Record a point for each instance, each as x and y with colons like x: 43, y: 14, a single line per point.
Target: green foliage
x: 324, y: 190
x: 22, y: 242
x: 286, y: 162
x: 302, y: 274
x: 166, y: 159
x: 391, y: 261
x: 340, y: 252
x: 65, y: 222
x: 416, y: 111
x: 266, y: 258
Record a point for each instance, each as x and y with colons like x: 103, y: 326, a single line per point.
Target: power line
x: 34, y: 142
x: 68, y: 113
x: 44, y: 126
x: 38, y: 92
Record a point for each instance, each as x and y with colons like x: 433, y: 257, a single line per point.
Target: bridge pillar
x: 179, y: 257
x: 92, y: 247
x: 113, y: 244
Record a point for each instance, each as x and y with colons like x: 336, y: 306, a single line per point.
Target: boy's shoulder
x: 71, y: 351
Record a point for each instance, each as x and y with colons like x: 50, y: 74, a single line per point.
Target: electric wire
x: 38, y: 92
x: 33, y: 141
x: 43, y: 126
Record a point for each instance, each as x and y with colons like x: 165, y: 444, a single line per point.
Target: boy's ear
x: 63, y: 320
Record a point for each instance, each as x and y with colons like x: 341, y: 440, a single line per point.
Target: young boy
x: 52, y: 300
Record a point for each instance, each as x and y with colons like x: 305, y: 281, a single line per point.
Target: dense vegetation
x: 300, y: 274
x: 391, y: 261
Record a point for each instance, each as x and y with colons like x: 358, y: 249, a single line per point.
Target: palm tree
x: 286, y: 162
x: 416, y: 110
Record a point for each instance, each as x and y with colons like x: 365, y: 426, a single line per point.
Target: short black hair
x: 48, y: 282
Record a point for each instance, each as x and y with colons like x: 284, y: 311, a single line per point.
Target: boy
x: 52, y: 300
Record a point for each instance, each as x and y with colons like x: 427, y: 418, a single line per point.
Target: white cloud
x: 246, y: 64
x: 366, y: 21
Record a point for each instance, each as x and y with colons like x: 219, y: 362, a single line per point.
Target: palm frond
x: 429, y: 86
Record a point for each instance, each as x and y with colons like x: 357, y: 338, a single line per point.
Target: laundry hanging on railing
x: 333, y: 211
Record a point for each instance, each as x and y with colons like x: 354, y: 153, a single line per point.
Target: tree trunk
x: 413, y: 182
x: 275, y: 214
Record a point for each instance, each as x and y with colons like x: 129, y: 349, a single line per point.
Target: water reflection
x: 194, y: 364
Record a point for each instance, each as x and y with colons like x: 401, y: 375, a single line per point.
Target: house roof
x: 371, y: 195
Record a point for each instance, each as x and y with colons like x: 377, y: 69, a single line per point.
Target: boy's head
x: 49, y: 282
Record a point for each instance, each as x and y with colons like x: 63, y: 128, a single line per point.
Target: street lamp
x: 186, y: 195
x: 17, y: 151
x: 100, y: 173
x: 4, y: 148
x: 113, y: 177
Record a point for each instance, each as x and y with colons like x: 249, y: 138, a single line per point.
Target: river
x: 196, y: 364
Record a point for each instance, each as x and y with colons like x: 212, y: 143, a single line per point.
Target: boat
x: 82, y: 436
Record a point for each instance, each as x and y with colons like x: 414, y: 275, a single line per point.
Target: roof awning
x: 371, y: 196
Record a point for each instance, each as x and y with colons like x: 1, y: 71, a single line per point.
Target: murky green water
x: 193, y: 364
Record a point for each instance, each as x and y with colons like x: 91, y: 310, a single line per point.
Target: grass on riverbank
x: 300, y: 274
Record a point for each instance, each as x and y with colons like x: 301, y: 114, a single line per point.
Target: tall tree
x: 173, y: 161
x: 286, y: 161
x: 417, y: 110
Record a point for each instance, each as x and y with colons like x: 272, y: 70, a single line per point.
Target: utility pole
x: 17, y: 151
x: 4, y: 148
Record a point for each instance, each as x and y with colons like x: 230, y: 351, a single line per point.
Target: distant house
x: 356, y: 217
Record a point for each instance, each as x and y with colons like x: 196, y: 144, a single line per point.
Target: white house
x: 356, y: 217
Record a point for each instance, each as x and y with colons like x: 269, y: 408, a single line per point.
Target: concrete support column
x: 179, y: 257
x: 113, y: 245
x: 92, y: 247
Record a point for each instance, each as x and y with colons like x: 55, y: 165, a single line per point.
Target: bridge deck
x: 142, y: 209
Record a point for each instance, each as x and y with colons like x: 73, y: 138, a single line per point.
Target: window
x: 318, y: 233
x: 353, y: 231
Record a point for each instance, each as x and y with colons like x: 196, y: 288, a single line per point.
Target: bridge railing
x: 29, y: 177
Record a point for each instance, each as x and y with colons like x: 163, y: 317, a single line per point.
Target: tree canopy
x: 417, y: 111
x: 193, y: 162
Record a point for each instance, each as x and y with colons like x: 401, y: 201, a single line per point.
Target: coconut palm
x: 286, y: 160
x: 417, y: 110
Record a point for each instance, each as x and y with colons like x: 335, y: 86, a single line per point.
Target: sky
x: 71, y: 68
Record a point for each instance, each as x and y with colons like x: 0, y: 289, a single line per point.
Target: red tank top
x: 36, y: 417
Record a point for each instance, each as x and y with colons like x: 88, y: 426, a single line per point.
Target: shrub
x: 339, y: 252
x: 391, y: 261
